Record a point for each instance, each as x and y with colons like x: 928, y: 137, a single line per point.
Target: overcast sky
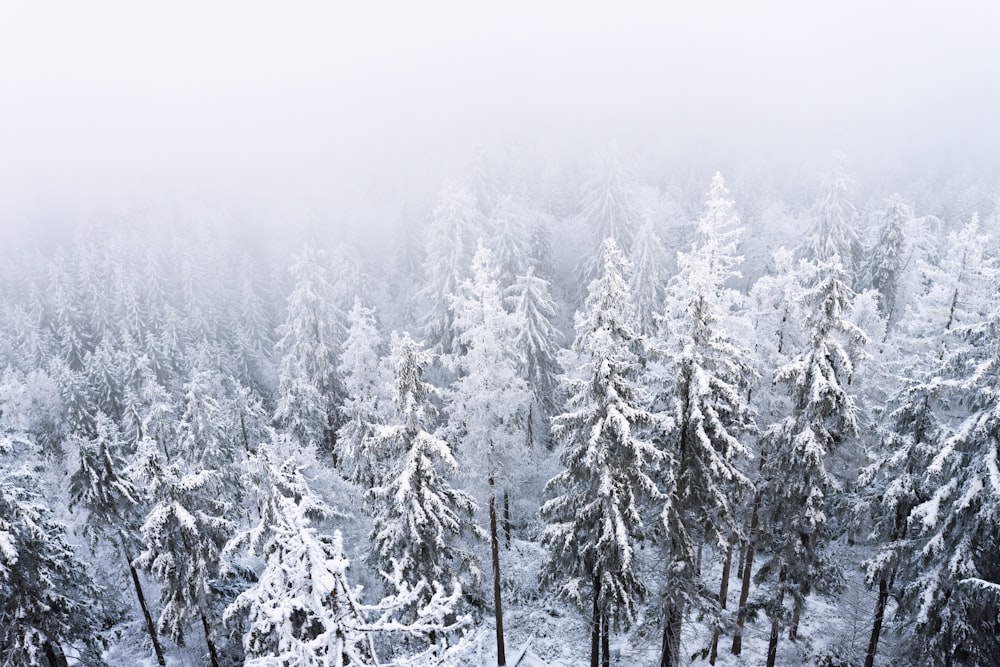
x: 112, y: 100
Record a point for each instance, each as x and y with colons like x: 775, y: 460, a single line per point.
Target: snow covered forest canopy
x: 670, y: 350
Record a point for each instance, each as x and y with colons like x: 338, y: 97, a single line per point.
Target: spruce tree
x: 595, y: 514
x: 796, y: 483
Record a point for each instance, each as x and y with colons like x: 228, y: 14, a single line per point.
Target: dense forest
x: 571, y: 413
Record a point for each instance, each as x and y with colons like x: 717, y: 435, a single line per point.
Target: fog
x: 340, y: 113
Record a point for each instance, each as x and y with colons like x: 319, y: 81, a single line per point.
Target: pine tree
x: 455, y: 225
x: 833, y: 231
x: 510, y: 240
x: 537, y: 338
x: 889, y: 256
x: 309, y: 391
x: 595, y: 515
x: 607, y: 211
x: 703, y: 380
x: 101, y: 486
x: 182, y: 538
x: 648, y: 273
x: 301, y: 610
x: 489, y: 403
x: 364, y: 382
x: 948, y: 569
x: 796, y: 483
x: 47, y: 598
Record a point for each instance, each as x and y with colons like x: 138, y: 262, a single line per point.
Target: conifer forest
x: 591, y: 395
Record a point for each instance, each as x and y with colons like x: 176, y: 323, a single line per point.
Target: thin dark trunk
x: 605, y: 643
x: 243, y: 428
x: 54, y: 654
x: 727, y: 565
x: 793, y: 630
x: 495, y: 549
x: 506, y: 518
x: 150, y: 626
x: 595, y: 627
x: 883, y: 597
x: 697, y: 559
x: 741, y: 614
x: 743, y: 556
x: 670, y: 652
x: 772, y: 644
x: 212, y: 655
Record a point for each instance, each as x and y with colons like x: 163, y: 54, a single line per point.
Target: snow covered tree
x: 102, y: 487
x: 702, y: 380
x: 888, y: 257
x: 365, y: 383
x: 948, y: 570
x: 833, y: 231
x: 796, y: 483
x: 182, y: 538
x: 418, y: 515
x: 537, y: 337
x: 301, y: 610
x: 489, y: 402
x: 606, y: 211
x: 648, y: 274
x: 309, y: 391
x: 595, y: 515
x: 47, y: 598
x: 510, y: 240
x: 455, y: 226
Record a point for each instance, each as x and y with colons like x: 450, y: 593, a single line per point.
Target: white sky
x: 108, y: 99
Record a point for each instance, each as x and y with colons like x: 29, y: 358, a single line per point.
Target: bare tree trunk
x: 772, y: 644
x: 793, y: 630
x: 883, y: 597
x: 595, y: 628
x: 495, y: 549
x: 150, y: 626
x: 212, y: 655
x: 670, y: 652
x: 743, y: 555
x: 605, y: 643
x: 741, y: 614
x: 506, y: 517
x: 723, y: 594
x: 54, y: 654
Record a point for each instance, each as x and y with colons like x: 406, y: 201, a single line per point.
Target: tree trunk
x: 150, y: 626
x: 793, y: 630
x: 670, y: 652
x: 741, y: 614
x: 212, y: 655
x: 723, y: 594
x: 743, y: 556
x: 595, y: 628
x: 54, y: 654
x: 506, y: 518
x: 495, y: 549
x: 772, y: 644
x: 883, y: 596
x: 605, y: 643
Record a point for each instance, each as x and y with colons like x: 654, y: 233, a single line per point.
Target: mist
x: 334, y: 113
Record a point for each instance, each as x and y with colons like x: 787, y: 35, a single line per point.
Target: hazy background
x: 314, y: 113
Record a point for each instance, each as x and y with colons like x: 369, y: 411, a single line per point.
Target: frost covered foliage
x: 834, y: 228
x: 606, y: 211
x: 366, y: 396
x: 796, y: 480
x: 308, y: 386
x: 595, y: 513
x: 47, y: 598
x: 418, y: 515
x: 701, y: 376
x: 451, y: 238
x: 950, y: 560
x: 302, y: 609
x: 537, y: 338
